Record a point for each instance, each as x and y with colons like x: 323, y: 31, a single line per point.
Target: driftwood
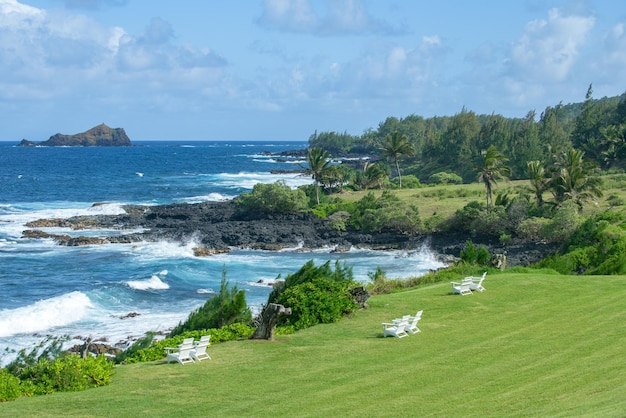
x: 269, y: 318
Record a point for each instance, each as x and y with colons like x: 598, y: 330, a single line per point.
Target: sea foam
x: 153, y: 282
x: 44, y: 314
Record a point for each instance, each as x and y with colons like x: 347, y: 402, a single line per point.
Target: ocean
x: 89, y: 291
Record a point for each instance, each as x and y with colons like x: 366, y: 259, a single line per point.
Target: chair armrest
x: 168, y: 349
x: 455, y: 283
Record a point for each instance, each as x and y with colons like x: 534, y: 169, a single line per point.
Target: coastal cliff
x: 98, y: 136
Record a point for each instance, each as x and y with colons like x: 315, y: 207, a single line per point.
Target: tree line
x: 455, y: 145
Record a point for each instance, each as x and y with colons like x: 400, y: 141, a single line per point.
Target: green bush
x: 564, y: 222
x: 319, y: 301
x: 274, y: 198
x: 473, y: 255
x: 445, y: 178
x: 388, y: 213
x: 532, y: 228
x: 68, y: 373
x: 315, y: 294
x: 465, y: 217
x: 11, y: 387
x: 408, y: 182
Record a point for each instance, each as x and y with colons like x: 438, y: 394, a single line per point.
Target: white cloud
x: 548, y: 49
x: 44, y: 55
x: 291, y: 15
x: 340, y: 17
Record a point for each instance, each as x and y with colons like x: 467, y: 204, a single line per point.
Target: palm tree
x: 492, y: 168
x: 374, y: 174
x: 539, y: 181
x: 574, y: 179
x: 318, y: 160
x: 394, y: 146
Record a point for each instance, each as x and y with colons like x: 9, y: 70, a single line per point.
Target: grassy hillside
x: 530, y: 345
x: 445, y: 200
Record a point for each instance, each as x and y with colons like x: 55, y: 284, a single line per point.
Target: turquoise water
x: 86, y: 291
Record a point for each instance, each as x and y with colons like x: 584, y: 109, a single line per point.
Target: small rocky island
x: 98, y: 136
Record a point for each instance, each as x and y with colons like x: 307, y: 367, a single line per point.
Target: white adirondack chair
x: 395, y: 329
x: 411, y: 327
x: 463, y: 288
x: 199, y: 351
x: 181, y: 354
x: 477, y: 282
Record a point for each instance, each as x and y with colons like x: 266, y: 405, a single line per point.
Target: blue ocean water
x: 47, y: 289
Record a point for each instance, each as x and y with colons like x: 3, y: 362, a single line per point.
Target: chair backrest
x: 188, y: 341
x: 206, y: 338
x: 184, y: 350
x: 201, y: 347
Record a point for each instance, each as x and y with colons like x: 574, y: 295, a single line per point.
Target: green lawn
x: 530, y: 345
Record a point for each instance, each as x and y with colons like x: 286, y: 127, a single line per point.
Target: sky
x: 282, y: 69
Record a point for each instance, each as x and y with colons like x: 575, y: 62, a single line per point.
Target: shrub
x: 445, y: 178
x: 315, y: 294
x: 10, y: 386
x: 408, y: 182
x: 564, y: 222
x: 68, y: 373
x: 386, y: 213
x: 272, y: 199
x: 473, y: 255
x: 532, y: 228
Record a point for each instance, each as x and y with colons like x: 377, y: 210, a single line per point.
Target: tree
x: 492, y: 168
x: 575, y: 179
x: 551, y: 130
x: 394, y: 146
x: 539, y: 181
x: 374, y: 174
x: 318, y: 162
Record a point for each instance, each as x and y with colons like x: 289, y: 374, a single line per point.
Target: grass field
x: 530, y: 345
x: 445, y: 200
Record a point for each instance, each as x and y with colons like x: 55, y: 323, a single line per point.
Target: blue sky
x: 281, y: 69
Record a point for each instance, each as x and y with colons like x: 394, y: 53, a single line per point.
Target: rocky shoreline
x: 217, y: 227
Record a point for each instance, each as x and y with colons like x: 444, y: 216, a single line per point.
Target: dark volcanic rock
x: 98, y: 136
x: 216, y: 227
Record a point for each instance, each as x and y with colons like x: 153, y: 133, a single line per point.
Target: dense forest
x: 450, y: 146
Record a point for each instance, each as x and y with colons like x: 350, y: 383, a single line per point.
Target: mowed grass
x: 530, y: 345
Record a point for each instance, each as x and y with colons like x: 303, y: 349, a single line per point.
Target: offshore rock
x: 98, y: 136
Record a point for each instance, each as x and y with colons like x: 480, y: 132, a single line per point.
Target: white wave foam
x: 44, y: 314
x: 12, y: 223
x: 248, y: 180
x: 205, y: 291
x: 165, y: 249
x: 153, y: 282
x: 211, y: 197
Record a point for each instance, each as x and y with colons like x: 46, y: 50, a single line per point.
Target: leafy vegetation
x: 273, y: 198
x: 47, y: 368
x: 315, y: 294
